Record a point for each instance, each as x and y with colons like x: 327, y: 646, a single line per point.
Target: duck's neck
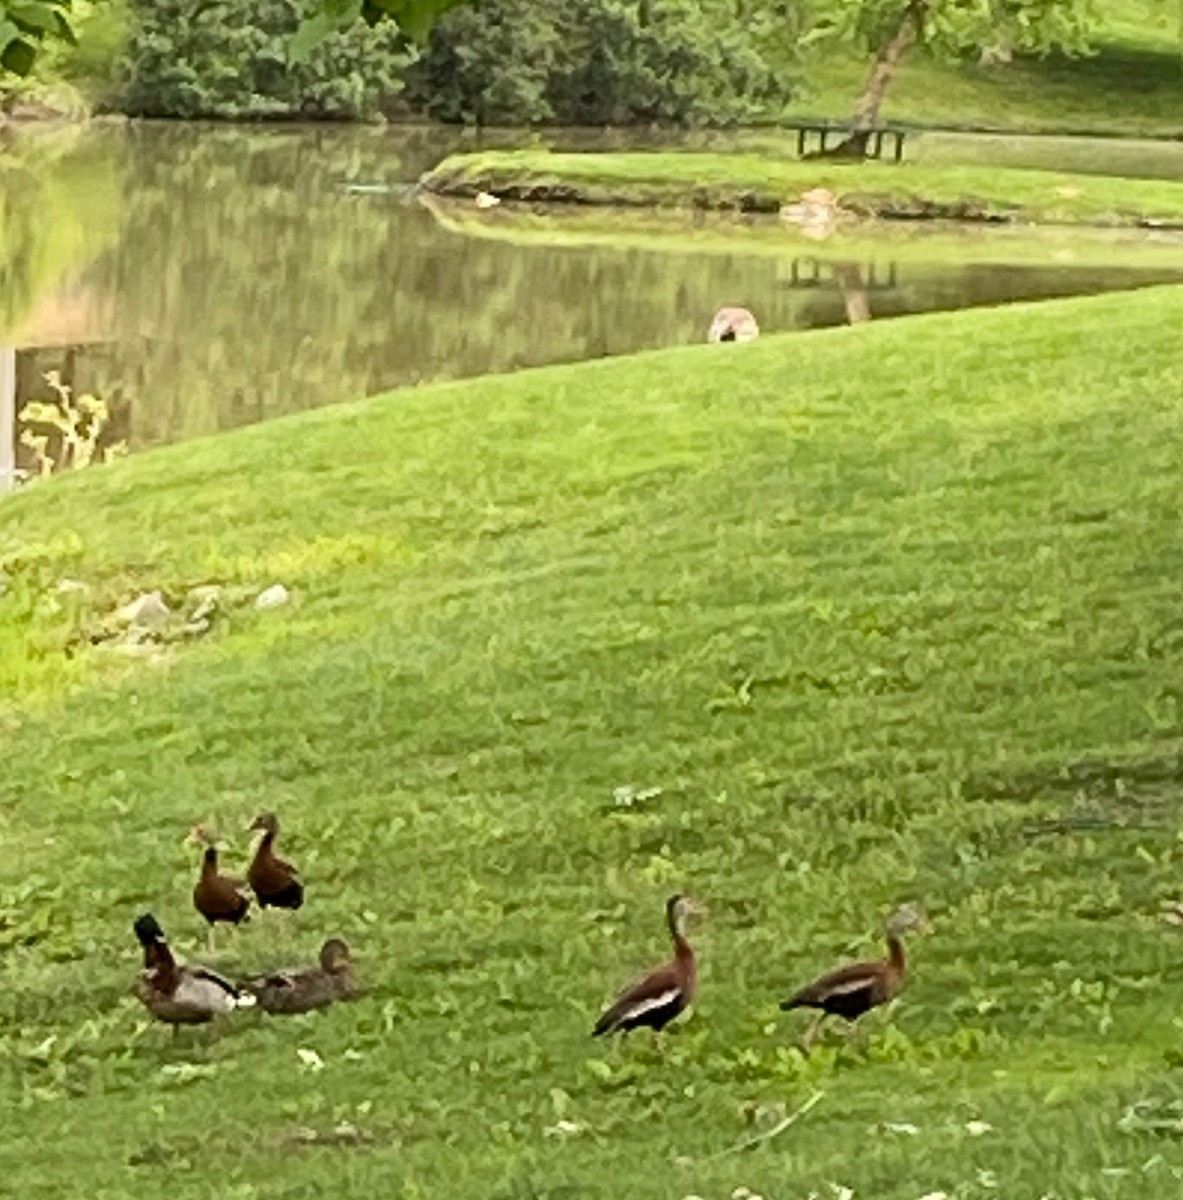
x: 896, y: 959
x: 158, y: 958
x: 267, y: 842
x: 209, y: 864
x: 682, y: 950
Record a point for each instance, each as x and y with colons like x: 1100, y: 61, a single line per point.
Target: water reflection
x: 198, y: 279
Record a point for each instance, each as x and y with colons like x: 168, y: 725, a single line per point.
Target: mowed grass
x: 757, y: 183
x: 884, y: 612
x: 1131, y: 82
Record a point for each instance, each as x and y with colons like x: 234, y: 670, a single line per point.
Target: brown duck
x: 176, y: 994
x: 216, y: 897
x: 302, y: 990
x: 851, y: 991
x: 276, y: 883
x: 666, y: 991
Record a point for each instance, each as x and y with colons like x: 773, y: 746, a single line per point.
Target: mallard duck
x: 666, y: 991
x: 302, y: 990
x: 851, y: 991
x: 176, y: 994
x: 216, y: 897
x: 276, y: 883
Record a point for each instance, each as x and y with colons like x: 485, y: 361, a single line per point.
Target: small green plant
x: 75, y: 423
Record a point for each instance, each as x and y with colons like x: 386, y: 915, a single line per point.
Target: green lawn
x: 884, y: 612
x: 754, y: 182
x: 1131, y: 83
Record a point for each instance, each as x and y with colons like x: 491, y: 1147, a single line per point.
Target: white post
x: 7, y: 418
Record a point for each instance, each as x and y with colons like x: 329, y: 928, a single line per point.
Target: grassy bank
x: 883, y: 612
x: 754, y: 184
x: 1130, y: 84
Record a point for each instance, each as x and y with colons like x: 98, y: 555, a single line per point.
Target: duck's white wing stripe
x: 850, y: 986
x: 649, y: 1003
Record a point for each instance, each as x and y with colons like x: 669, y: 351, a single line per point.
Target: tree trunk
x: 866, y: 113
x: 883, y: 69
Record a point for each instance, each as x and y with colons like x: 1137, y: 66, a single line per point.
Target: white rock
x: 71, y: 587
x: 309, y: 1059
x: 148, y: 611
x: 273, y: 597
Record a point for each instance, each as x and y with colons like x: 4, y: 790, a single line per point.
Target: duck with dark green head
x: 180, y: 994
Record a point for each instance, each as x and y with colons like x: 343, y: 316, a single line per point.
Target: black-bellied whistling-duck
x: 176, y: 994
x: 310, y: 987
x: 276, y: 883
x: 851, y: 991
x: 665, y: 992
x: 217, y: 897
x: 733, y: 325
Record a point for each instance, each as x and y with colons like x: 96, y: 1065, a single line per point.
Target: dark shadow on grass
x: 1118, y: 70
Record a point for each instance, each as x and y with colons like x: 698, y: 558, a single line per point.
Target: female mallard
x: 851, y: 991
x: 216, y: 896
x: 176, y: 994
x: 666, y: 991
x: 276, y: 883
x: 312, y: 987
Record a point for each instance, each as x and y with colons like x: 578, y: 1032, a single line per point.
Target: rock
x: 148, y: 611
x: 815, y: 210
x: 487, y: 200
x: 204, y: 601
x: 733, y: 325
x: 71, y: 587
x: 273, y: 597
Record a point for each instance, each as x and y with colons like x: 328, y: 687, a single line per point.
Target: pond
x: 195, y: 279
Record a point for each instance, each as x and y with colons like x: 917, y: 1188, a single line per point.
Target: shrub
x: 228, y: 58
x: 593, y: 62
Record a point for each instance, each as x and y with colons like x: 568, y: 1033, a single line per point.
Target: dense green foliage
x: 233, y: 60
x: 25, y: 26
x: 888, y: 612
x: 953, y: 26
x: 594, y: 62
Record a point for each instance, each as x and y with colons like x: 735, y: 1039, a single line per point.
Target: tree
x: 232, y: 60
x: 595, y: 62
x: 887, y: 28
x: 26, y: 26
x: 326, y: 17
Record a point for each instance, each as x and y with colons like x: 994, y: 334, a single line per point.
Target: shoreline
x: 864, y: 191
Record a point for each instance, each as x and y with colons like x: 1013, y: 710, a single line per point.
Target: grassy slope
x: 756, y: 182
x: 1132, y: 84
x: 862, y: 603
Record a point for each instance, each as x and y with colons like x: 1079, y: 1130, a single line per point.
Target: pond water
x: 195, y: 279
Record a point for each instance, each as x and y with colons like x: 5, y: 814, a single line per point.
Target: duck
x: 668, y: 990
x: 853, y: 990
x: 298, y: 991
x: 733, y: 324
x: 216, y: 897
x: 176, y: 994
x: 276, y: 883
